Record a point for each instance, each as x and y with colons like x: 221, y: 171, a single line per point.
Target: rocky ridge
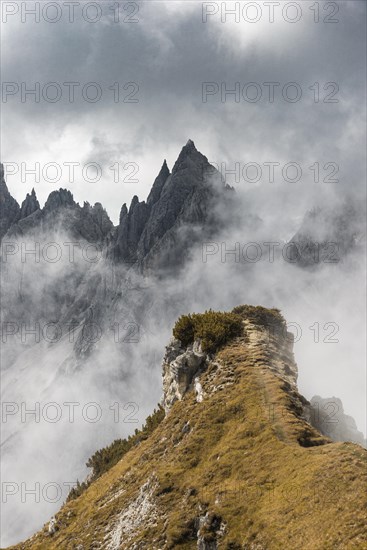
x: 181, y: 209
x: 220, y: 471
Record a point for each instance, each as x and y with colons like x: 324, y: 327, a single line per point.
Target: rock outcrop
x: 58, y: 199
x: 29, y: 205
x: 180, y: 369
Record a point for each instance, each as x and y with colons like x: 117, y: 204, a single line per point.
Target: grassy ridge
x: 106, y: 458
x: 239, y: 455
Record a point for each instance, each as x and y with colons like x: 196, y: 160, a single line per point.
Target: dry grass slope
x: 244, y: 455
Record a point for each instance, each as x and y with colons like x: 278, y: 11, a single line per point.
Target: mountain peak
x: 190, y: 157
x: 190, y: 144
x: 57, y: 199
x: 123, y: 212
x: 29, y: 205
x: 189, y: 148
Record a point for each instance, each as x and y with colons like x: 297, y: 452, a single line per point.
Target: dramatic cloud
x: 167, y: 56
x: 169, y: 53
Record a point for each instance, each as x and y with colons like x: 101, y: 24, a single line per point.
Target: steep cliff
x: 233, y: 464
x: 159, y: 233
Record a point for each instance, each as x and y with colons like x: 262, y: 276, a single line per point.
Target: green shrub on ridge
x: 213, y: 328
x: 104, y: 459
x: 261, y: 316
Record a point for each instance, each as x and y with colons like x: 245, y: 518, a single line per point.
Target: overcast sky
x: 168, y: 53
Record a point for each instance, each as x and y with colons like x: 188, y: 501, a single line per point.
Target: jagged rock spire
x: 123, y: 212
x: 181, y: 198
x: 151, y: 230
x: 158, y: 184
x: 29, y: 205
x: 9, y: 208
x: 189, y: 154
x: 62, y: 197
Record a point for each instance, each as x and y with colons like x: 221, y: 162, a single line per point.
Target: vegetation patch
x: 106, y: 458
x: 261, y: 316
x: 213, y: 328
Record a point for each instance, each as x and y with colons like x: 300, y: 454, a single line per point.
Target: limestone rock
x: 179, y: 369
x: 158, y: 184
x: 157, y: 234
x: 29, y: 205
x: 52, y: 526
x: 210, y: 528
x: 58, y: 199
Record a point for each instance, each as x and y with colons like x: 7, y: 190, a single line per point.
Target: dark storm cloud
x: 169, y: 53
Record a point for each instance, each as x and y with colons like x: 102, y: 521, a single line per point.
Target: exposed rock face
x: 159, y: 233
x: 327, y: 415
x: 97, y: 218
x: 182, y: 367
x: 61, y: 214
x: 58, y: 199
x: 9, y: 208
x: 183, y: 198
x: 211, y: 528
x: 29, y: 205
x: 179, y: 369
x: 52, y: 526
x: 140, y: 513
x: 158, y: 184
x: 278, y: 345
x: 131, y: 225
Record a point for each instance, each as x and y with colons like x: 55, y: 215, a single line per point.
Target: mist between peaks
x: 227, y: 252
